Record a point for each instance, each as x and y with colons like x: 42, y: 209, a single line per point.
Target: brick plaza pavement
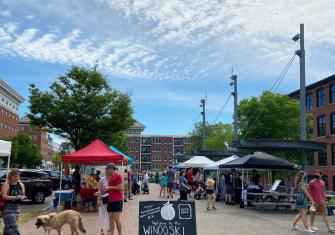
x: 227, y: 220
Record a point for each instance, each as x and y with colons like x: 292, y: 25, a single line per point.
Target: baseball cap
x: 110, y: 166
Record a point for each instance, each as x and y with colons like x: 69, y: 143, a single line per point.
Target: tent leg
x: 242, y: 178
x: 8, y: 161
x: 60, y: 185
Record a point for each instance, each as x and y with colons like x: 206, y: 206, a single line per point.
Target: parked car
x: 37, y: 184
x: 54, y: 176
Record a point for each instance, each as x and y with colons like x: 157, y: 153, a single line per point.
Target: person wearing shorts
x: 170, y: 181
x: 210, y: 185
x: 317, y: 189
x: 115, y: 198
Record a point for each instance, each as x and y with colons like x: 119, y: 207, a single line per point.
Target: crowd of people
x: 114, y: 188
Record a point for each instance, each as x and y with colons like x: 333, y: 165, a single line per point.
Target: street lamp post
x: 301, y: 54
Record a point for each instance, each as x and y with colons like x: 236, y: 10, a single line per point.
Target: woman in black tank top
x: 13, y: 192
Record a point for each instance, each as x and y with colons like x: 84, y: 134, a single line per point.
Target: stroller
x: 145, y: 188
x: 199, y: 192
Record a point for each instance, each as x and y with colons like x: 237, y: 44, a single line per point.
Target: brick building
x: 38, y: 136
x: 154, y: 152
x: 9, y: 110
x: 320, y: 102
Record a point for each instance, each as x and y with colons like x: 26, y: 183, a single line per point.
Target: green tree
x: 24, y: 152
x: 218, y: 136
x: 81, y: 106
x: 270, y: 116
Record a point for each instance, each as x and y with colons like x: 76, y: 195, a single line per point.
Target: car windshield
x: 55, y: 174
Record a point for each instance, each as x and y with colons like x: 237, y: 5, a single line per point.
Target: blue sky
x: 167, y: 53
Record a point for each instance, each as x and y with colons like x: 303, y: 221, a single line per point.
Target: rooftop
x: 137, y: 125
x: 314, y: 85
x: 24, y: 120
x: 10, y: 90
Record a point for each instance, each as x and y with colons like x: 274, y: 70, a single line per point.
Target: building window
x: 137, y: 149
x: 321, y: 97
x: 332, y: 93
x: 322, y: 125
x: 145, y: 149
x: 156, y: 140
x: 310, y: 159
x: 309, y: 101
x: 332, y: 127
x: 333, y: 155
x: 322, y: 158
x: 177, y: 150
x: 177, y: 141
x: 145, y: 140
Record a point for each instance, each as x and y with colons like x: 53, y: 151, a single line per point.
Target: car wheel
x: 66, y: 186
x: 39, y: 197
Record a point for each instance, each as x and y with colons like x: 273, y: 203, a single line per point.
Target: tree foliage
x: 218, y: 136
x: 81, y: 106
x: 270, y: 116
x: 24, y: 152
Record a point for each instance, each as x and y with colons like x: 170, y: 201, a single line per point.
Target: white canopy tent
x: 216, y: 165
x: 197, y: 162
x: 5, y: 150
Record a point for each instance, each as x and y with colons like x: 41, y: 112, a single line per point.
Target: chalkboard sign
x: 167, y: 218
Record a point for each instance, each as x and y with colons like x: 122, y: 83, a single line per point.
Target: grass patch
x: 24, y: 218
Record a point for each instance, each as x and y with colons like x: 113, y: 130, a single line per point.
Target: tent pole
x: 60, y: 185
x: 8, y: 160
x: 242, y: 178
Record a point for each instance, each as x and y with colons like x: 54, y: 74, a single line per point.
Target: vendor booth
x: 96, y: 153
x: 253, y: 194
x: 5, y: 151
x: 216, y: 165
x: 260, y: 160
x: 130, y: 159
x: 197, y: 162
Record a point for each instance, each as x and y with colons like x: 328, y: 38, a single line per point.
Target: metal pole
x: 234, y: 81
x: 203, y: 105
x: 60, y: 186
x: 303, y: 135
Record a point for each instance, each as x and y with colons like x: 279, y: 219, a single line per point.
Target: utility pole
x: 203, y: 113
x: 301, y: 54
x: 234, y: 93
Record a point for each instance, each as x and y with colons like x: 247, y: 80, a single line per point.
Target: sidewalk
x: 91, y: 221
x: 228, y: 220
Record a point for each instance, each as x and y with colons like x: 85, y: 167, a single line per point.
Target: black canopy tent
x: 260, y: 160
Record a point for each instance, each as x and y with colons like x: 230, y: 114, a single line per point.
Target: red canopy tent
x: 95, y: 153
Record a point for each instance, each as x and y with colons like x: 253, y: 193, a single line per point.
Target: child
x: 163, y: 185
x: 199, y: 191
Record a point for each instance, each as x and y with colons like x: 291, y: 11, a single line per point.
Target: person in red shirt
x: 115, y: 198
x: 317, y: 190
x: 189, y: 178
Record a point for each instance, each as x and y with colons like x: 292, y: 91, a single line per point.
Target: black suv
x: 37, y: 184
x: 54, y: 176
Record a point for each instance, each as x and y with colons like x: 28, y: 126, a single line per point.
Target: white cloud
x: 5, y: 13
x: 30, y: 17
x: 120, y: 58
x: 175, y: 39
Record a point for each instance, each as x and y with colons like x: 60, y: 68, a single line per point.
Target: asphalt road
x: 30, y: 206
